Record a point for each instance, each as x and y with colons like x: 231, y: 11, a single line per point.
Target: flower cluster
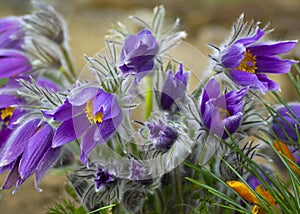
x: 139, y: 128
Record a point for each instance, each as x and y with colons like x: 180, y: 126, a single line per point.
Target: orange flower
x: 246, y: 193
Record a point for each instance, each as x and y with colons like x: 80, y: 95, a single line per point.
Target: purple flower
x: 249, y: 61
x: 92, y: 113
x: 221, y: 112
x: 163, y: 135
x: 11, y: 33
x: 138, y: 53
x: 174, y: 88
x: 13, y: 63
x: 286, y: 122
x: 102, y: 178
x: 27, y: 151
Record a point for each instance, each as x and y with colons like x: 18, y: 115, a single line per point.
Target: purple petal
x: 272, y: 48
x: 247, y: 79
x: 233, y: 56
x: 12, y: 177
x: 87, y: 144
x: 17, y: 142
x: 70, y: 130
x: 9, y: 100
x: 83, y: 96
x: 106, y: 103
x: 269, y: 84
x: 273, y: 64
x: 211, y: 90
x: 107, y: 128
x: 63, y: 112
x: 36, y: 147
x: 252, y: 39
x: 13, y: 63
x: 46, y: 162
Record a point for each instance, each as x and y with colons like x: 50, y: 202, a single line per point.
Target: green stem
x: 149, y: 95
x: 68, y: 61
x: 67, y: 75
x: 178, y: 188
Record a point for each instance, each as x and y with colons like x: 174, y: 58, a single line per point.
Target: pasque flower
x: 27, y: 151
x: 11, y: 33
x: 221, y: 112
x: 138, y: 53
x: 248, y: 61
x: 174, y: 88
x: 92, y: 113
x: 285, y: 124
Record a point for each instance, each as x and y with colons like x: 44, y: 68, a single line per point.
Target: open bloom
x: 11, y: 33
x: 92, y: 113
x: 174, y: 88
x: 13, y: 62
x: 27, y: 151
x: 249, y: 61
x: 221, y: 112
x: 138, y: 52
x: 285, y: 123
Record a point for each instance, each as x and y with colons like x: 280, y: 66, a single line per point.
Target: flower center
x: 224, y: 113
x: 248, y: 63
x: 97, y: 118
x: 6, y: 113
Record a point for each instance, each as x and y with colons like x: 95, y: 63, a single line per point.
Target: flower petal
x: 13, y: 62
x: 49, y: 158
x: 247, y: 79
x: 79, y: 98
x: 251, y: 39
x: 70, y: 130
x: 36, y: 147
x: 273, y: 64
x: 234, y: 55
x: 87, y: 144
x: 272, y: 48
x: 211, y: 90
x: 17, y: 142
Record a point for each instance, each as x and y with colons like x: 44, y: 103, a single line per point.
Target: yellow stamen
x: 224, y: 113
x: 248, y: 63
x: 7, y: 112
x: 97, y: 118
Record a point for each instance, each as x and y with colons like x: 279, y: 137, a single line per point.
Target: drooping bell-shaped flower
x: 11, y: 33
x: 174, y: 88
x: 92, y: 113
x: 102, y: 178
x: 13, y: 63
x: 27, y: 151
x: 221, y: 113
x: 248, y: 61
x: 138, y: 53
x: 285, y: 123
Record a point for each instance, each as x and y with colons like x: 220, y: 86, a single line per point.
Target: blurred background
x: 205, y: 21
